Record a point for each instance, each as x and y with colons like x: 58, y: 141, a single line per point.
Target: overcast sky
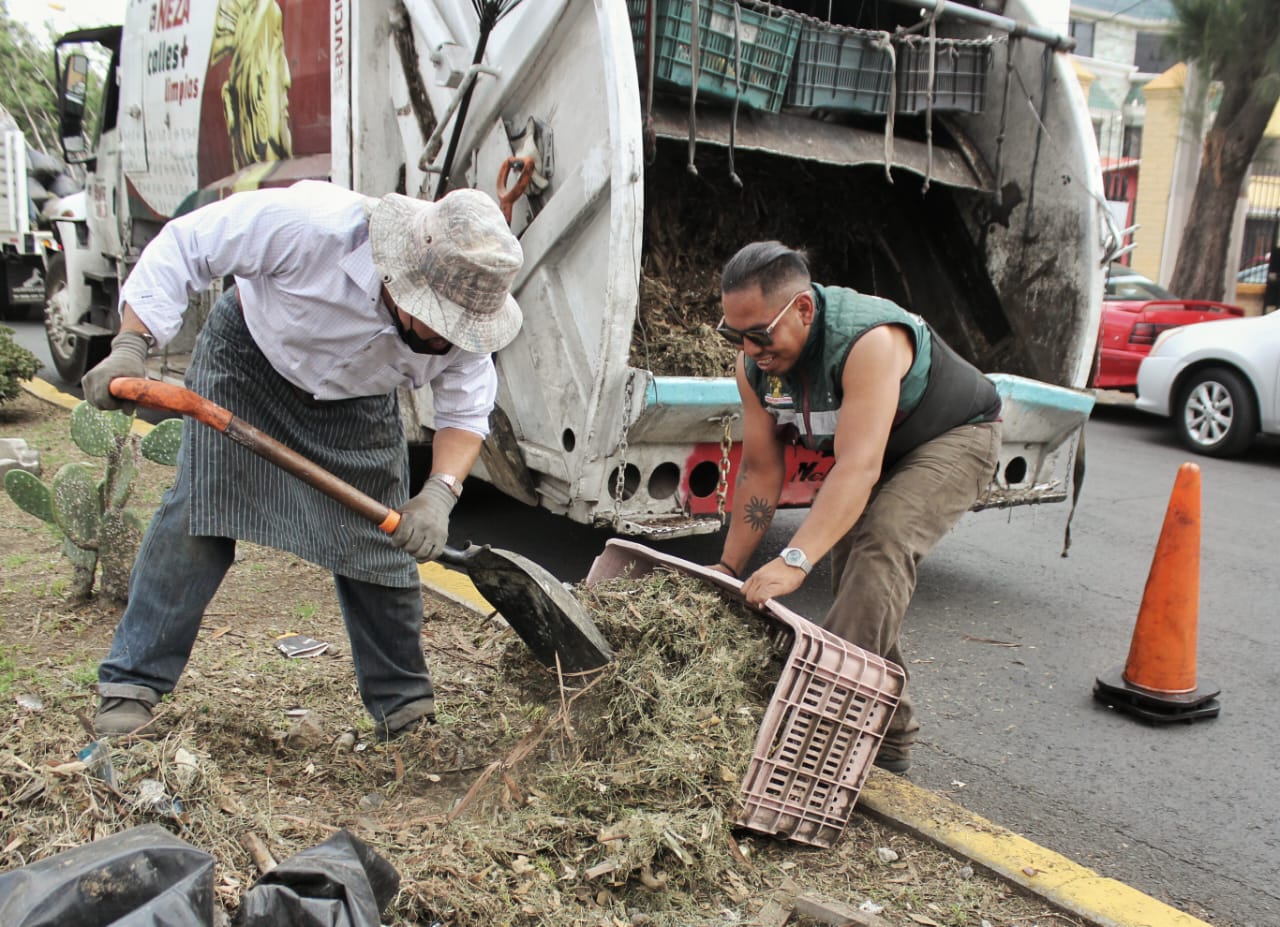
x: 65, y: 14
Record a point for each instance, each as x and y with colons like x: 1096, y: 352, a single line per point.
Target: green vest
x: 805, y: 401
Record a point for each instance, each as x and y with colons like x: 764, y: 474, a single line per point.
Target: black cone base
x: 1113, y: 690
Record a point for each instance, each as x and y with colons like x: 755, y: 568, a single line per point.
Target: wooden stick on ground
x: 836, y: 913
x: 262, y: 857
x: 778, y: 907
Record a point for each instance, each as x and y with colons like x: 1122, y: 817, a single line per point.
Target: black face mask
x: 416, y: 343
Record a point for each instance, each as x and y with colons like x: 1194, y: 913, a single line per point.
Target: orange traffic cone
x: 1158, y: 681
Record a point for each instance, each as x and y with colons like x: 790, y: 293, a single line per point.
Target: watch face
x: 794, y: 557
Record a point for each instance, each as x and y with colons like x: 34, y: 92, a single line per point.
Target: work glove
x: 424, y: 522
x: 128, y: 358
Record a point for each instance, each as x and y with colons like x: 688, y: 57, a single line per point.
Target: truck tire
x: 72, y: 354
x: 1216, y: 413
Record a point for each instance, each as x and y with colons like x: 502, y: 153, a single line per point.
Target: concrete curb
x: 1067, y: 885
x: 49, y: 393
x: 1062, y: 883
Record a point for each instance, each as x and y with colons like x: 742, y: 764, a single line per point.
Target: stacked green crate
x: 960, y: 74
x: 840, y: 69
x: 749, y: 53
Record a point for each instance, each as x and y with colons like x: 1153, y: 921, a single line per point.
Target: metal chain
x: 619, y: 487
x: 726, y: 445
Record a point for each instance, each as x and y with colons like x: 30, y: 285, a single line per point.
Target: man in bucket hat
x: 338, y: 300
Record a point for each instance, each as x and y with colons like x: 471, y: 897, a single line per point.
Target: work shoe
x: 117, y: 717
x: 408, y: 718
x: 895, y: 764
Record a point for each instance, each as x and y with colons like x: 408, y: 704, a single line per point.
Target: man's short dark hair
x: 767, y: 264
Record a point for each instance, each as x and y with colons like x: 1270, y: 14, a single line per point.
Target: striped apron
x: 237, y: 494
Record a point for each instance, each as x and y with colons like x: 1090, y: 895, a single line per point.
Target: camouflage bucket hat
x: 450, y: 264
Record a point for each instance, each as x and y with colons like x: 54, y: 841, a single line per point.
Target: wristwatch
x: 454, y: 484
x: 794, y: 557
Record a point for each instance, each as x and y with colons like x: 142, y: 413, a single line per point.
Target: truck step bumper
x: 1042, y: 425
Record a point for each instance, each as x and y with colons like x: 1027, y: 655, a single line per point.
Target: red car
x: 1135, y: 311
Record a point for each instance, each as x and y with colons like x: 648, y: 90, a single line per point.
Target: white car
x: 1219, y: 383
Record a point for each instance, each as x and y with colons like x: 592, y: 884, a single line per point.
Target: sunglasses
x: 760, y: 337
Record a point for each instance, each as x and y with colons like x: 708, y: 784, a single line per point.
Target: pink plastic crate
x: 826, y: 719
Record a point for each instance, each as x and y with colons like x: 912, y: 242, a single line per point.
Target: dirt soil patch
x: 533, y: 800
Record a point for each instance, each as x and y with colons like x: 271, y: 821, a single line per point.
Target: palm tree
x: 1236, y: 43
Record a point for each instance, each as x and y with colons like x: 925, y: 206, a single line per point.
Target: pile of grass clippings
x: 627, y: 804
x: 534, y: 800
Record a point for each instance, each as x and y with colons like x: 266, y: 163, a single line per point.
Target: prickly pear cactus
x: 88, y: 504
x: 29, y: 494
x: 96, y: 432
x: 84, y: 565
x: 160, y: 444
x: 77, y: 503
x: 122, y: 470
x: 119, y: 535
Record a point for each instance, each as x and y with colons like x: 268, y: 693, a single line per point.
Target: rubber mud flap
x: 142, y: 877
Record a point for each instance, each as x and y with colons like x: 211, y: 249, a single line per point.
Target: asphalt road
x: 31, y: 336
x: 1005, y: 638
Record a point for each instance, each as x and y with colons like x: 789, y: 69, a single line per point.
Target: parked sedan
x: 1135, y: 311
x: 1219, y: 383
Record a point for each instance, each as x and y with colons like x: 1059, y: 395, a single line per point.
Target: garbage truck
x: 23, y: 243
x: 938, y: 155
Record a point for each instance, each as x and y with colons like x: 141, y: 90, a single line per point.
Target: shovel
x: 549, y: 620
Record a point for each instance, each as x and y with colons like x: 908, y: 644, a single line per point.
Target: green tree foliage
x: 1235, y: 43
x: 27, y: 90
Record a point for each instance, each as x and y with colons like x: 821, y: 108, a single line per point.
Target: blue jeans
x: 175, y: 576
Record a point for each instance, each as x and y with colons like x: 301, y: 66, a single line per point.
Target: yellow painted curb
x: 50, y: 393
x: 454, y: 586
x: 1068, y: 885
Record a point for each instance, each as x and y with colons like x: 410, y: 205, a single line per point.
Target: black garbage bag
x: 43, y: 167
x: 65, y: 185
x: 338, y: 883
x: 143, y: 877
x: 37, y: 192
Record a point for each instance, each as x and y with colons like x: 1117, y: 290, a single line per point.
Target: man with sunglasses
x: 913, y: 429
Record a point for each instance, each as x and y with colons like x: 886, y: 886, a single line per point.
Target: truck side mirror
x: 73, y: 89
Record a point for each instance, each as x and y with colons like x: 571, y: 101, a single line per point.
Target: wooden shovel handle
x: 170, y: 398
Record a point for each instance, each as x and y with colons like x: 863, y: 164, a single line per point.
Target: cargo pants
x: 873, y: 567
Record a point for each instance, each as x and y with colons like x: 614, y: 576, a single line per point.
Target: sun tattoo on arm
x: 758, y: 514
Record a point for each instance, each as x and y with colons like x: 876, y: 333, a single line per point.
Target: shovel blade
x: 538, y: 607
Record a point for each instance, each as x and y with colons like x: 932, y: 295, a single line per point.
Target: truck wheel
x: 1216, y: 414
x: 72, y: 354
